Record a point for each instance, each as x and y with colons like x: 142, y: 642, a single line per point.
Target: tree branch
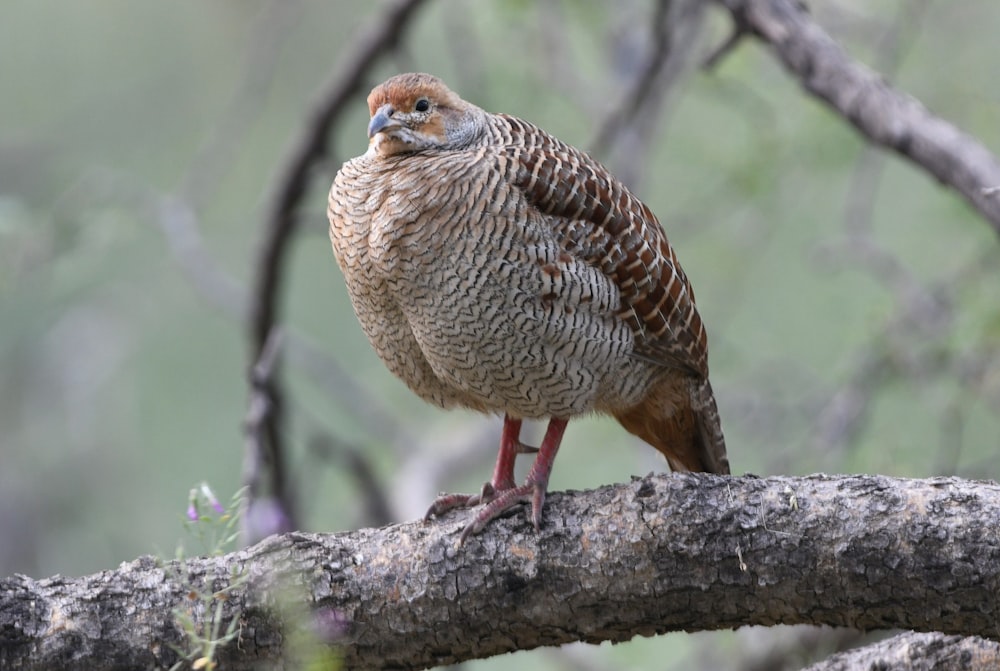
x: 662, y: 553
x: 882, y: 114
x: 918, y: 652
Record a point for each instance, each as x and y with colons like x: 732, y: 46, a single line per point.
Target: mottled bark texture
x: 881, y: 113
x: 662, y: 553
x: 918, y: 652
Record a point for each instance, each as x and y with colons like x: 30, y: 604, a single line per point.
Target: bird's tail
x: 679, y: 418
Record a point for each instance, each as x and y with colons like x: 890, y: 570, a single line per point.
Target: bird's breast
x: 502, y: 313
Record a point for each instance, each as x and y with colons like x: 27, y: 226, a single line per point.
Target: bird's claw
x: 494, y: 503
x: 446, y: 502
x: 533, y: 493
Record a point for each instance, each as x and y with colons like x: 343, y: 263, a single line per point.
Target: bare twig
x: 880, y: 112
x: 267, y: 511
x: 662, y: 64
x: 641, y: 119
x: 739, y: 31
x: 843, y: 419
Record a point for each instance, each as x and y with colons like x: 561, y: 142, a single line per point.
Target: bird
x: 496, y: 268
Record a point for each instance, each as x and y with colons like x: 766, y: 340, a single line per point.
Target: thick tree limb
x: 662, y: 553
x: 918, y: 652
x: 882, y: 114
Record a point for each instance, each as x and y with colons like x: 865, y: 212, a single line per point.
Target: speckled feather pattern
x: 508, y: 272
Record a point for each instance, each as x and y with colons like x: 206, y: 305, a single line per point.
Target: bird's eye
x: 422, y: 105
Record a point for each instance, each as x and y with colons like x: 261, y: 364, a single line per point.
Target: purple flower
x: 192, y: 511
x: 209, y: 495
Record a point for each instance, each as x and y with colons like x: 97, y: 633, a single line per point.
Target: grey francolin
x: 496, y: 268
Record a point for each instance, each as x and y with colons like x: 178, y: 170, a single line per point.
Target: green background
x: 123, y: 356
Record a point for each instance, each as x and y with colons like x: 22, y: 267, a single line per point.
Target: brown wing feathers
x: 622, y: 237
x: 600, y: 220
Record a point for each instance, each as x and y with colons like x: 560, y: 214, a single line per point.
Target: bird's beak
x: 382, y: 120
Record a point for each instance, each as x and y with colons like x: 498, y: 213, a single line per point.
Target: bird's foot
x: 500, y: 494
x: 494, y: 501
x: 533, y: 493
x: 446, y: 502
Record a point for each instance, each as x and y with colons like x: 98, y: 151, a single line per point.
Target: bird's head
x: 415, y: 112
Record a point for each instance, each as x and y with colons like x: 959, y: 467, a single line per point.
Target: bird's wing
x: 595, y: 217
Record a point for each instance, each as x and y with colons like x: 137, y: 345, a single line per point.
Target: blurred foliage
x: 123, y: 375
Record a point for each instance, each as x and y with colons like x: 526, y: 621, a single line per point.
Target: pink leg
x: 534, y: 488
x: 510, y: 447
x: 503, y: 472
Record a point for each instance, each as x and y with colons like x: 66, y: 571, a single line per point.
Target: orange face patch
x: 403, y: 91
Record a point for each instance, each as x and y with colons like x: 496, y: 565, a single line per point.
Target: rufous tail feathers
x: 679, y: 418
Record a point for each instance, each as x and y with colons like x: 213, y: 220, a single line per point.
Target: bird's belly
x: 532, y: 333
x: 521, y: 376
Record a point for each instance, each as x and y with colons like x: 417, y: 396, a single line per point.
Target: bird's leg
x: 503, y: 472
x: 510, y: 447
x: 534, y: 487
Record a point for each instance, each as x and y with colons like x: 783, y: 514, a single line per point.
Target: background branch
x: 882, y: 114
x: 918, y: 652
